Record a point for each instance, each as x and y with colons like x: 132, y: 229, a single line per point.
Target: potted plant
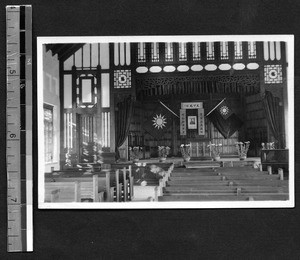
x: 71, y: 158
x: 185, y: 150
x: 135, y: 153
x: 163, y: 152
x: 215, y: 151
x: 242, y: 149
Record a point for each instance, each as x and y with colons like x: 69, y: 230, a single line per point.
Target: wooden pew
x: 62, y: 191
x: 91, y: 187
x: 223, y: 189
x: 274, y: 183
x: 214, y: 197
x: 123, y: 182
x: 222, y: 184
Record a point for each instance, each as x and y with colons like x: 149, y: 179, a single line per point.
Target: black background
x: 176, y: 234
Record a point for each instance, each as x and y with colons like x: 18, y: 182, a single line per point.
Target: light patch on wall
x: 86, y: 55
x: 78, y: 58
x: 105, y: 90
x: 95, y: 54
x: 67, y: 91
x: 68, y: 63
x: 86, y: 91
x: 104, y: 55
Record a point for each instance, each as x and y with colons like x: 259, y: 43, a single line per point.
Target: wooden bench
x: 224, y: 189
x: 91, y: 187
x: 62, y: 191
x: 275, y: 183
x: 122, y: 182
x: 213, y: 197
x: 222, y: 184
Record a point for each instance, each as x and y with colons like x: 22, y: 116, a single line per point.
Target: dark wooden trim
x: 61, y: 100
x: 86, y: 71
x: 111, y: 97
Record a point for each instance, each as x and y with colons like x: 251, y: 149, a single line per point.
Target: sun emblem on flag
x: 159, y: 121
x: 224, y: 110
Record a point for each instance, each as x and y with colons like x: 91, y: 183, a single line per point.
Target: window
x: 154, y: 51
x: 196, y: 51
x: 238, y: 50
x: 169, y: 51
x: 48, y: 133
x: 252, y: 50
x: 224, y: 50
x: 182, y: 51
x: 141, y: 52
x: 210, y: 51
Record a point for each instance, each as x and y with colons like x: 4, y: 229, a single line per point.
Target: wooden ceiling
x: 63, y: 51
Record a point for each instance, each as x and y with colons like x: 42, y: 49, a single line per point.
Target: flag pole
x: 168, y: 108
x: 215, y: 107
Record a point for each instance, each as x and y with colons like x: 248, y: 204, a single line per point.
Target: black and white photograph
x: 166, y: 122
x: 192, y: 122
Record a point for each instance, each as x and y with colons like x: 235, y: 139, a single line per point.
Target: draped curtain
x: 123, y: 117
x: 272, y: 113
x: 227, y: 127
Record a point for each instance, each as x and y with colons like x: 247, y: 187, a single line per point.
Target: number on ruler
x: 12, y: 135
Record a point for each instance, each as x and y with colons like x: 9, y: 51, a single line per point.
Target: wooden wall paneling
x: 217, y: 52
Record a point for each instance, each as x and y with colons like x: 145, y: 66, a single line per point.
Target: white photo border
x: 289, y: 39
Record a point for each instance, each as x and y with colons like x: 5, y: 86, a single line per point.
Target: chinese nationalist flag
x: 159, y: 121
x: 225, y: 120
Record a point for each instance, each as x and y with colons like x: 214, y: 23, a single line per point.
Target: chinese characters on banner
x: 183, y: 118
x: 182, y: 122
x: 201, y: 124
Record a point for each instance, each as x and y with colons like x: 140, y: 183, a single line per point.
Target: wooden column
x: 62, y: 156
x: 112, y: 103
x: 285, y: 122
x: 99, y: 108
x: 74, y: 114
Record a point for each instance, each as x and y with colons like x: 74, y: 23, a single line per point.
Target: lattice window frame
x: 182, y: 54
x: 210, y: 51
x: 238, y: 52
x: 196, y: 54
x: 141, y: 58
x: 169, y: 55
x: 224, y: 53
x: 273, y: 74
x: 154, y: 55
x: 252, y: 50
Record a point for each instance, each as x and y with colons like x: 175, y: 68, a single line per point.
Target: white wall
x: 51, y: 97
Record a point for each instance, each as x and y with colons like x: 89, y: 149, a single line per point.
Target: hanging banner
x: 191, y: 105
x: 201, y: 122
x: 182, y: 122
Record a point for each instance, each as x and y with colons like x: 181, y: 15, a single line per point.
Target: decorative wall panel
x: 122, y: 78
x: 273, y: 74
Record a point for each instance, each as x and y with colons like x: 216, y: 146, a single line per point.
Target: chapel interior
x: 165, y: 121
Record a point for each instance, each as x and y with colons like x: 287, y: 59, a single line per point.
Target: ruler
x: 19, y: 128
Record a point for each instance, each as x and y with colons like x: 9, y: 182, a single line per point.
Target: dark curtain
x: 123, y: 117
x: 227, y: 127
x: 272, y: 113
